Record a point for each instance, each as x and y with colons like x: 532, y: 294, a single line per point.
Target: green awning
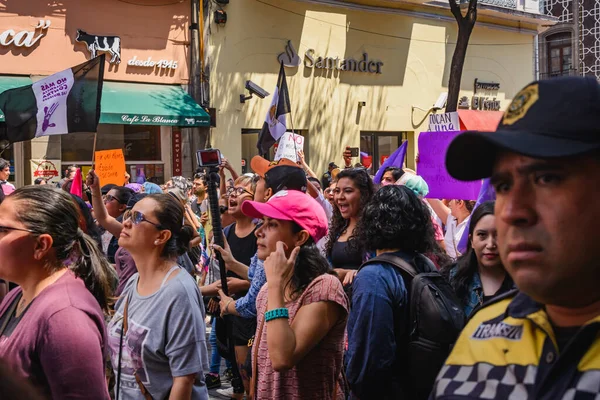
x: 137, y: 103
x: 11, y: 82
x: 150, y: 104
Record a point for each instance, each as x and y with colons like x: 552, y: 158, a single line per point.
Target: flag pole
x: 94, y: 151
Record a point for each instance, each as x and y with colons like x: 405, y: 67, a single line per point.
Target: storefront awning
x: 475, y: 120
x: 137, y: 104
x: 149, y: 104
x: 11, y: 82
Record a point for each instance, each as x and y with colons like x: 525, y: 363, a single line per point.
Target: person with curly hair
x: 396, y: 221
x: 353, y: 190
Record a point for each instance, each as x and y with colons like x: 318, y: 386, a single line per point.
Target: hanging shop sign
x: 177, y: 154
x: 150, y: 63
x: 25, y: 38
x: 47, y: 169
x: 290, y: 58
x: 96, y: 43
x: 484, y: 97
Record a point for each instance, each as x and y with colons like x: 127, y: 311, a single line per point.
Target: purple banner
x: 432, y: 168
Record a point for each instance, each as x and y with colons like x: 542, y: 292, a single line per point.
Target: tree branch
x: 455, y: 9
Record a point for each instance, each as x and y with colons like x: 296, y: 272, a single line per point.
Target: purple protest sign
x: 432, y: 168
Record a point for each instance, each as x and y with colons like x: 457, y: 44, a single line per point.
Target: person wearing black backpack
x: 404, y: 315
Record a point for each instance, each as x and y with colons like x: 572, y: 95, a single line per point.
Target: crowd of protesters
x: 339, y: 287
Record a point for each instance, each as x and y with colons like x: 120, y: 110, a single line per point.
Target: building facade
x: 360, y: 73
x: 572, y: 46
x: 145, y: 108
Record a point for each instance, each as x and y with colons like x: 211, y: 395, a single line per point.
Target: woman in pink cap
x: 302, y: 307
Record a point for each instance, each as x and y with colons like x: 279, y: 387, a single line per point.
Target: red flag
x: 77, y: 184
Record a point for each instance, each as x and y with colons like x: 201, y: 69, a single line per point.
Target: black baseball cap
x: 333, y: 165
x: 552, y: 118
x: 285, y: 177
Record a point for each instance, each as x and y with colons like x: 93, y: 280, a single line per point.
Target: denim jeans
x: 215, y: 358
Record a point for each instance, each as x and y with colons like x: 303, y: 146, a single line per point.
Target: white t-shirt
x: 453, y: 234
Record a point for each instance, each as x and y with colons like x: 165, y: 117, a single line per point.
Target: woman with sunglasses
x: 157, y: 336
x: 353, y: 191
x: 302, y: 309
x: 54, y: 320
x: 241, y: 239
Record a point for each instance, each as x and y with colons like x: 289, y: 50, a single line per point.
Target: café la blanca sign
x: 25, y: 38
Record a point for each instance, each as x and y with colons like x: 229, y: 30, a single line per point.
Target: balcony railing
x: 500, y: 3
x: 556, y: 74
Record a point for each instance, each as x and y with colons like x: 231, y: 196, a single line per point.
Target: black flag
x: 68, y: 101
x: 275, y: 123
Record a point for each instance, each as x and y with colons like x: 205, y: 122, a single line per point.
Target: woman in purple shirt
x: 52, y: 330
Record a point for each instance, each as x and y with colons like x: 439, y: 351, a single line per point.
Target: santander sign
x: 25, y: 38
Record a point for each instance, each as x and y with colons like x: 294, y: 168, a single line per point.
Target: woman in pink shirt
x: 302, y: 310
x: 52, y: 330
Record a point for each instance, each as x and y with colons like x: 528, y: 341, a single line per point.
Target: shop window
x: 559, y: 53
x: 375, y: 147
x: 139, y: 143
x: 141, y: 146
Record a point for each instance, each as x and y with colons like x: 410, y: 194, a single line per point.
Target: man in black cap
x: 541, y: 341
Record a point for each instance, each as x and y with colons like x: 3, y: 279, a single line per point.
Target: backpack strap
x: 394, y: 260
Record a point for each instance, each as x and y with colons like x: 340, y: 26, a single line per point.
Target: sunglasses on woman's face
x: 137, y: 218
x: 238, y: 191
x: 109, y: 197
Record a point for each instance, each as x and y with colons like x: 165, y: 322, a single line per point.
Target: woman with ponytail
x: 157, y: 337
x: 54, y: 320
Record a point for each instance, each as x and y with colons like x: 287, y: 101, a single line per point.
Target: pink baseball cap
x: 292, y: 205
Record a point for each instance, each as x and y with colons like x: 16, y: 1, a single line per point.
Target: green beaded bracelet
x: 276, y: 313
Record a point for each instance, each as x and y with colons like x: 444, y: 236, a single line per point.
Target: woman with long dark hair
x: 354, y: 189
x: 157, y: 336
x: 479, y: 275
x: 54, y: 320
x: 302, y: 306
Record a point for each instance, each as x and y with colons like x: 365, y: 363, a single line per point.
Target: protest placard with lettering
x: 110, y: 166
x: 289, y: 146
x: 445, y: 122
x: 432, y: 168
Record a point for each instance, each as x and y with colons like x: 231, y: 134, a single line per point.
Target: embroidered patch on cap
x: 521, y: 104
x: 498, y: 330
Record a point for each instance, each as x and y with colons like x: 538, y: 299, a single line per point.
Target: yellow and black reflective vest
x: 508, y: 351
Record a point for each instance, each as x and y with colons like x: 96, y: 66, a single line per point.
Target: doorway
x: 375, y: 147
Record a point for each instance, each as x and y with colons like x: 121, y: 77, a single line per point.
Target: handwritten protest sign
x: 110, y: 166
x: 289, y: 146
x: 444, y: 122
x: 432, y: 168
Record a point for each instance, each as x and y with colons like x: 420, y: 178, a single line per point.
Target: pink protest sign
x: 432, y: 168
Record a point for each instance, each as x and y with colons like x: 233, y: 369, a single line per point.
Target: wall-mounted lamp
x: 220, y: 17
x: 253, y: 88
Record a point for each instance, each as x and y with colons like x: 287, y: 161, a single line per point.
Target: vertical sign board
x: 177, y: 155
